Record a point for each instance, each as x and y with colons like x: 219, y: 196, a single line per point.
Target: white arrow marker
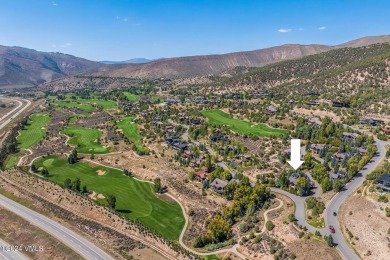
x: 295, y: 161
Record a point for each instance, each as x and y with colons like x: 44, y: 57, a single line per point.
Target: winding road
x: 333, y: 206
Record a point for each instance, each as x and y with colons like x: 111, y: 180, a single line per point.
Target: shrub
x: 269, y: 225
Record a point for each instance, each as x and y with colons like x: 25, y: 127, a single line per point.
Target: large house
x: 292, y: 180
x: 202, y: 174
x: 316, y: 148
x: 383, y: 182
x: 315, y: 121
x: 350, y: 136
x: 270, y: 110
x: 339, y: 156
x: 218, y: 185
x: 340, y: 104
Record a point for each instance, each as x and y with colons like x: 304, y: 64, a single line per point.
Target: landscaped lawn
x: 130, y: 130
x: 86, y: 140
x: 219, y: 117
x: 33, y: 132
x: 84, y: 107
x: 134, y: 199
x: 131, y: 97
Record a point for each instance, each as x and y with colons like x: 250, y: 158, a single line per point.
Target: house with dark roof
x: 270, y: 110
x: 218, y: 185
x: 340, y: 104
x: 342, y: 174
x: 292, y: 180
x: 339, y: 156
x: 383, y: 182
x: 316, y: 148
x: 351, y: 136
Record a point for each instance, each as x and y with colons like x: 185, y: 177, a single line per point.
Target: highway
x: 7, y: 254
x: 77, y: 243
x: 14, y: 112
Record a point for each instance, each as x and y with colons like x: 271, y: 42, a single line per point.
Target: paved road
x: 15, y: 112
x: 77, y: 243
x: 340, y: 197
x: 7, y: 254
x: 334, y: 205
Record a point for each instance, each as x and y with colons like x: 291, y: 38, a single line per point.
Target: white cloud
x: 322, y: 28
x: 282, y: 30
x: 53, y: 3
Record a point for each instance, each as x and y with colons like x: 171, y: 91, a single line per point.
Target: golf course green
x: 86, y: 140
x: 219, y: 117
x: 34, y: 131
x: 134, y: 199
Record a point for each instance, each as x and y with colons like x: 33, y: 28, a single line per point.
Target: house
x: 270, y: 110
x: 351, y: 136
x: 371, y: 121
x: 218, y: 185
x: 342, y: 174
x: 362, y: 151
x: 292, y: 180
x: 187, y: 154
x: 386, y: 130
x: 311, y: 93
x: 340, y: 104
x: 287, y: 152
x: 179, y: 145
x: 383, y: 182
x: 195, y: 121
x: 316, y: 148
x: 339, y: 156
x: 202, y: 174
x: 172, y: 139
x: 333, y: 176
x: 315, y: 121
x: 312, y: 103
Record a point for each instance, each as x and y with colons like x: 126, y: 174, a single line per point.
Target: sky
x: 118, y: 30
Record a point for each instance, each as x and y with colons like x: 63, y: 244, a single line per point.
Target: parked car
x: 331, y: 228
x: 334, y: 214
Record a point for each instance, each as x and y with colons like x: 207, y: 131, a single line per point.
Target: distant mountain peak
x: 130, y: 61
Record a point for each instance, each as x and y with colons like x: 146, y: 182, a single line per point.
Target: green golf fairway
x: 86, y: 140
x: 33, y: 132
x: 219, y: 117
x: 134, y: 199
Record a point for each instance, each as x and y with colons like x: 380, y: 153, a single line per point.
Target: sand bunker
x: 101, y: 172
x: 92, y: 195
x: 100, y: 196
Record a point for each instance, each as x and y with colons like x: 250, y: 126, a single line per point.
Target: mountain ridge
x: 22, y: 66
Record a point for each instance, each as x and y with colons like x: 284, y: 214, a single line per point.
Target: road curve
x: 340, y: 197
x: 7, y: 253
x: 333, y: 206
x: 77, y: 243
x: 20, y: 110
